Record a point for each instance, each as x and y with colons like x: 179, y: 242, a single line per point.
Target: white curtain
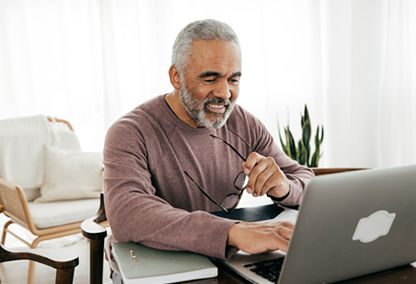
x: 369, y: 81
x: 351, y: 61
x: 396, y: 127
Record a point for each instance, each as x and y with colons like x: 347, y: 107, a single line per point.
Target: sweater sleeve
x: 137, y: 214
x: 297, y: 174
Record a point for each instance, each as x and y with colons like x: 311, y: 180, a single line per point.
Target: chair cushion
x: 32, y: 193
x: 63, y: 137
x: 50, y: 214
x: 21, y: 142
x: 70, y: 175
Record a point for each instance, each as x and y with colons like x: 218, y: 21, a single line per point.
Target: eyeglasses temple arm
x: 231, y: 146
x: 205, y: 193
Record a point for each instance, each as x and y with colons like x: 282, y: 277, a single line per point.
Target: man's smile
x: 216, y: 108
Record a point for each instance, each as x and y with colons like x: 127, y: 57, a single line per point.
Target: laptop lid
x: 352, y: 224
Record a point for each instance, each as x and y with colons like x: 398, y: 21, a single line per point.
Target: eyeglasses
x: 230, y: 201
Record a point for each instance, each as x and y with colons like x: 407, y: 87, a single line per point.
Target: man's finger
x: 287, y: 224
x: 285, y: 232
x: 259, y: 175
x: 251, y: 161
x: 280, y: 243
x: 267, y: 181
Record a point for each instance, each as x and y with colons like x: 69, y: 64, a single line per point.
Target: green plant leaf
x: 306, y: 132
x: 284, y: 146
x: 292, y: 144
x: 301, y: 158
x: 314, y: 160
x: 301, y: 151
x: 322, y: 135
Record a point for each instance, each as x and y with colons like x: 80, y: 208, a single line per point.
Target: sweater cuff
x: 293, y: 198
x: 219, y: 247
x: 280, y: 199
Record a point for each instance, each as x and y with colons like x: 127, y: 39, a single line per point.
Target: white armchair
x: 29, y: 195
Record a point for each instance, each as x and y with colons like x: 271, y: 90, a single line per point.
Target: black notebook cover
x: 252, y: 214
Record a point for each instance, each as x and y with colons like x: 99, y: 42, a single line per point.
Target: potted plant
x: 301, y: 151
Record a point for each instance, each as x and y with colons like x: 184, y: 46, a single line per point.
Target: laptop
x: 349, y: 224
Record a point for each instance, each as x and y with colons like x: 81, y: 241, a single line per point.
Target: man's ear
x: 175, y: 77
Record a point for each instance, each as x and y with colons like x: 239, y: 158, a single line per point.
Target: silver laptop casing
x: 322, y: 248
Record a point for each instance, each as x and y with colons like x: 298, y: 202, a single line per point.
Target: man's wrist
x: 279, y: 199
x: 233, y: 234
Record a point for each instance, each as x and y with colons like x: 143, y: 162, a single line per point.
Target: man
x: 164, y: 171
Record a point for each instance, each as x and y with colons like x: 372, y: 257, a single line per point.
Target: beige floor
x: 15, y: 272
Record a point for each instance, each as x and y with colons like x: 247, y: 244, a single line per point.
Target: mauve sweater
x: 148, y: 198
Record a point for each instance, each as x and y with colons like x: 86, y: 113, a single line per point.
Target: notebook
x: 349, y: 224
x: 140, y: 264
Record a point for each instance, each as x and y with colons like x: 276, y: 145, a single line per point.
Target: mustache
x: 217, y: 100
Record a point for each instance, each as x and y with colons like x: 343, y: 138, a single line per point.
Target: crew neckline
x: 179, y: 122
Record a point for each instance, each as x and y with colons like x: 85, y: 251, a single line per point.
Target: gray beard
x: 200, y: 115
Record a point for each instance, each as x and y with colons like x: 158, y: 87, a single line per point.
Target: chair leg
x: 96, y: 261
x: 64, y: 276
x: 3, y: 236
x: 31, y: 272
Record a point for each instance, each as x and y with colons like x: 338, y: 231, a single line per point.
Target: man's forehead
x: 214, y: 56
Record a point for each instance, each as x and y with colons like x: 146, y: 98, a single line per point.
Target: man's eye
x: 209, y: 80
x: 235, y: 80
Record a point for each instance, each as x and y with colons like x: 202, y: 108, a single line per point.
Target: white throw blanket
x: 21, y: 153
x: 21, y: 148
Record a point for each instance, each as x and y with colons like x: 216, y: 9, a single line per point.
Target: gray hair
x: 199, y: 30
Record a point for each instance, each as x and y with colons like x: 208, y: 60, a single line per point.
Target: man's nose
x: 223, y: 90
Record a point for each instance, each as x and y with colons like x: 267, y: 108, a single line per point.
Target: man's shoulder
x: 245, y: 126
x: 142, y: 118
x: 144, y: 112
x: 242, y: 118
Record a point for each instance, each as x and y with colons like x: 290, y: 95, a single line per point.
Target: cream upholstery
x: 21, y: 148
x: 70, y: 175
x: 63, y: 212
x: 21, y: 164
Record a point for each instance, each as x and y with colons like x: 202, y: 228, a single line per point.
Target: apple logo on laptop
x: 374, y: 226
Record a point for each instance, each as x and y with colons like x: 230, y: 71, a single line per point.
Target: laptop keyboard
x: 269, y: 269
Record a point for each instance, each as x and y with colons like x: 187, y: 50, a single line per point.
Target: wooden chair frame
x: 16, y: 207
x: 327, y: 171
x: 64, y: 268
x: 19, y: 213
x: 95, y: 230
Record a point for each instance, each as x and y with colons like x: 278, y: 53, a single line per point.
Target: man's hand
x: 258, y: 237
x: 265, y: 176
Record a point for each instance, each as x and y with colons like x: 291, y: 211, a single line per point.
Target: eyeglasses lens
x: 240, y: 181
x: 230, y: 201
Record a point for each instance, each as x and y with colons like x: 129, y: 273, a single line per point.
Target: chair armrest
x: 64, y: 266
x: 15, y: 205
x: 96, y: 233
x: 94, y: 228
x: 93, y: 231
x: 58, y: 262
